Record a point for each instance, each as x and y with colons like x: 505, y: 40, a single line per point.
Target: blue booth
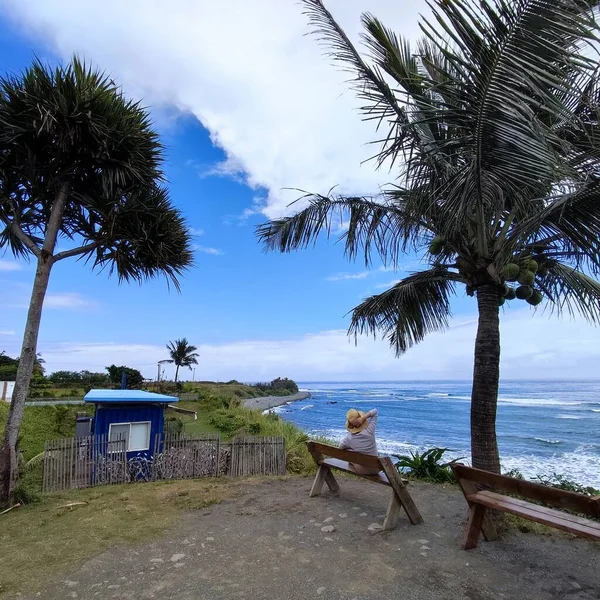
x: 135, y: 415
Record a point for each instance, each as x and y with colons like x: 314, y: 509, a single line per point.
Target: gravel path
x: 273, y: 542
x: 267, y: 402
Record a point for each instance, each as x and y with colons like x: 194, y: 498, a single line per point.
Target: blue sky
x: 243, y: 115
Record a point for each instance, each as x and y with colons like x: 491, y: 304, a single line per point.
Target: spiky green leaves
x: 70, y: 130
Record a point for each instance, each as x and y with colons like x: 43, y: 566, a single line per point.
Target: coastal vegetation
x: 489, y: 125
x: 80, y: 165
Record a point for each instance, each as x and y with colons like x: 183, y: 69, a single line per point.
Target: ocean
x: 544, y: 427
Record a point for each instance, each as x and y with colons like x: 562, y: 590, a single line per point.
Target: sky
x: 250, y: 110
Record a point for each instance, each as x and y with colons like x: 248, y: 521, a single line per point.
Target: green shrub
x: 426, y: 466
x: 564, y: 483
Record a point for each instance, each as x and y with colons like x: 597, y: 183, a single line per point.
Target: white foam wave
x: 307, y: 406
x: 595, y: 410
x: 438, y: 395
x: 568, y: 417
x: 547, y: 441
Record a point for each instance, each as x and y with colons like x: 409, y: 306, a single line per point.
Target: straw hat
x: 355, y: 414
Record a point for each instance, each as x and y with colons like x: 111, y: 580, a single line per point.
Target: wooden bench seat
x: 540, y: 514
x: 329, y: 457
x: 480, y: 500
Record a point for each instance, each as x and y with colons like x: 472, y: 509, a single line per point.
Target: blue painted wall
x: 130, y: 413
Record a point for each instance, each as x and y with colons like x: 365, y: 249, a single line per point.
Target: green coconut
x: 501, y: 301
x: 526, y: 277
x: 535, y: 298
x: 437, y: 245
x: 530, y: 265
x: 523, y: 292
x: 511, y: 294
x: 510, y: 272
x: 504, y: 290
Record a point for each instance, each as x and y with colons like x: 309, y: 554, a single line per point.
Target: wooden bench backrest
x: 532, y: 491
x: 319, y: 451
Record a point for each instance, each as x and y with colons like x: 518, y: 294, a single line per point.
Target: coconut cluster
x: 522, y: 273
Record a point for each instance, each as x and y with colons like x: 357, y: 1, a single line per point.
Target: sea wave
x: 568, y: 417
x: 307, y: 406
x: 438, y: 395
x: 595, y: 410
x: 547, y: 441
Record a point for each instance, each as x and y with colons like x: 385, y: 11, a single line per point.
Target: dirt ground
x: 269, y: 543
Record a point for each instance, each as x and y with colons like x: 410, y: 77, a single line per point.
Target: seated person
x: 361, y: 437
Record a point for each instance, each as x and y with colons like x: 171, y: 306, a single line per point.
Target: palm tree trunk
x: 176, y: 373
x: 8, y: 454
x: 486, y: 375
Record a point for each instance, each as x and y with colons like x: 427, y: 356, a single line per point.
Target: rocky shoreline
x: 267, y: 402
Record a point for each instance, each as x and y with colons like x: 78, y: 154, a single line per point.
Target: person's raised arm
x: 372, y: 415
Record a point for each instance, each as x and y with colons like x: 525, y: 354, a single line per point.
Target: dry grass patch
x: 42, y: 541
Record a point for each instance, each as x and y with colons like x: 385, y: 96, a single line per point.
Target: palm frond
x: 379, y: 225
x: 381, y: 102
x: 571, y: 291
x: 407, y: 312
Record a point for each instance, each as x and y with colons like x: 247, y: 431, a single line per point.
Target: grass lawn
x: 45, y: 540
x: 199, y: 426
x: 41, y: 423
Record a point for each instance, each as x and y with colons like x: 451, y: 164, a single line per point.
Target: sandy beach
x: 267, y: 402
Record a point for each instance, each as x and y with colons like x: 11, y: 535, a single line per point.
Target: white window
x: 137, y: 435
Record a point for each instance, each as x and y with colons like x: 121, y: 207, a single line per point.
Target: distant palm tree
x: 80, y: 164
x: 182, y: 354
x: 493, y: 123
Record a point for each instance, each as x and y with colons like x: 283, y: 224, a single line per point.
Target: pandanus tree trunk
x: 45, y: 261
x: 8, y: 453
x: 486, y: 375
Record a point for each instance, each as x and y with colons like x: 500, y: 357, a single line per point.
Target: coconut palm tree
x: 81, y: 164
x: 182, y: 354
x: 491, y: 124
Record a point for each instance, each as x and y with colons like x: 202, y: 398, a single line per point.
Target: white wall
x: 6, y: 390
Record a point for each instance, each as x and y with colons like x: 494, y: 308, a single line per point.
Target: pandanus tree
x: 80, y: 164
x: 490, y: 122
x: 182, y: 354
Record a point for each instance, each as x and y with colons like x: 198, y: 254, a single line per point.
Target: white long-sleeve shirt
x: 363, y: 441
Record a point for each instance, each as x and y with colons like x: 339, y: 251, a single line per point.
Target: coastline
x: 267, y: 402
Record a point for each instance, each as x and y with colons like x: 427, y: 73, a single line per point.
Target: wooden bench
x: 343, y: 460
x: 471, y: 481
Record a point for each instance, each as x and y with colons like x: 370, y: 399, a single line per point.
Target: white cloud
x: 70, y: 300
x: 195, y: 232
x: 208, y: 250
x: 532, y: 347
x: 7, y: 333
x: 388, y: 284
x: 346, y: 276
x: 281, y: 111
x: 10, y: 265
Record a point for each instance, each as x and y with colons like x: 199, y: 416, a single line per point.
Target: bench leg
x: 476, y: 518
x: 317, y: 485
x: 331, y: 482
x: 488, y: 528
x: 393, y: 514
x: 400, y: 491
x: 324, y: 475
